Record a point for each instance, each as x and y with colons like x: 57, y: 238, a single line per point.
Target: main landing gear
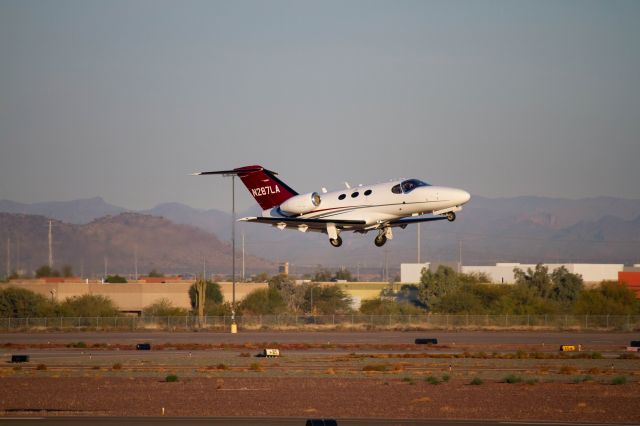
x: 336, y: 242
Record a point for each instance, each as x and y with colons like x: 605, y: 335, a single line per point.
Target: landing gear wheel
x: 451, y: 216
x: 380, y: 240
x: 336, y: 242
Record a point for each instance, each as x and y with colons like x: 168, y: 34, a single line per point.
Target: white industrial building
x: 502, y: 273
x: 411, y: 272
x: 591, y: 272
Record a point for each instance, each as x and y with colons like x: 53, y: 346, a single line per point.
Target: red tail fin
x: 266, y: 188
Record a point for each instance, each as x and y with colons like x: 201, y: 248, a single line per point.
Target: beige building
x: 131, y: 297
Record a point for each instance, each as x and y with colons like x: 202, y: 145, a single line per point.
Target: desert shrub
x: 255, y: 366
x: 376, y: 367
x: 164, y: 308
x: 263, y: 301
x: 389, y: 307
x: 20, y: 303
x: 476, y: 381
x: 532, y: 381
x: 619, y: 380
x: 446, y: 377
x: 116, y: 366
x: 89, y: 305
x: 512, y: 378
x: 409, y: 380
x: 567, y: 369
x: 244, y: 354
x: 115, y: 279
x: 432, y: 380
x: 171, y: 378
x: 41, y: 367
x: 222, y: 366
x: 582, y: 379
x: 609, y: 297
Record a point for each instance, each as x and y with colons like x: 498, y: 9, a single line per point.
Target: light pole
x: 233, y: 173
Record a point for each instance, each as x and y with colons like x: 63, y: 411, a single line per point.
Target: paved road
x: 269, y: 421
x: 373, y: 337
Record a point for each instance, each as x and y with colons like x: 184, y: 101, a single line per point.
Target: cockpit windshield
x: 411, y: 184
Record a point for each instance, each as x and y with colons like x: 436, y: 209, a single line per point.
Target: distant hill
x: 156, y: 242
x: 488, y: 230
x: 76, y: 211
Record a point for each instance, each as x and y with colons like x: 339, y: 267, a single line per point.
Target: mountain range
x: 488, y: 230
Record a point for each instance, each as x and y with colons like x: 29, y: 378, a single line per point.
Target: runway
x: 262, y: 421
x: 321, y: 337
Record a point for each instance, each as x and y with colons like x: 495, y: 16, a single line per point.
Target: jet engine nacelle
x: 301, y: 204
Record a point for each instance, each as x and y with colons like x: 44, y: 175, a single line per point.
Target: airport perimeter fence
x: 341, y: 322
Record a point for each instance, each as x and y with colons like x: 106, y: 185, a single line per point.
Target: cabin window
x: 396, y: 189
x: 355, y: 194
x: 367, y: 192
x: 342, y: 196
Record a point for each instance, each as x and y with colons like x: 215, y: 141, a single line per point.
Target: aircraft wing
x: 418, y: 219
x: 312, y: 224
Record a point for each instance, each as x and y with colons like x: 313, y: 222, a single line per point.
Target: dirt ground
x: 321, y: 397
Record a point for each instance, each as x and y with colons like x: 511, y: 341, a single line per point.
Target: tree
x: 212, y: 300
x: 566, y: 286
x: 263, y: 301
x: 389, y: 307
x: 115, y: 279
x: 67, y: 271
x: 262, y: 277
x: 164, y: 308
x: 609, y: 298
x: 343, y: 274
x: 284, y: 285
x: 46, y: 271
x: 327, y: 300
x: 155, y: 274
x: 435, y: 285
x: 20, y: 303
x: 322, y: 275
x: 460, y: 301
x: 89, y: 305
x: 537, y: 279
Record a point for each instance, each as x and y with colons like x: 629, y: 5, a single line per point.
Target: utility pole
x: 8, y: 257
x: 135, y: 261
x: 460, y: 256
x: 50, y: 247
x: 418, y: 242
x: 243, y: 280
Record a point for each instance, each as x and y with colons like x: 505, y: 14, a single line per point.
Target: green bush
x: 581, y: 379
x: 171, y: 378
x: 376, y: 367
x: 432, y: 380
x: 619, y: 380
x: 446, y: 377
x: 476, y: 381
x: 512, y: 378
x: 409, y: 380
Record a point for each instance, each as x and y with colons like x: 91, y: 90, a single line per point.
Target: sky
x: 123, y: 99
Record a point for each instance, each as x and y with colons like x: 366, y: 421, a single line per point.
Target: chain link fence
x: 342, y: 322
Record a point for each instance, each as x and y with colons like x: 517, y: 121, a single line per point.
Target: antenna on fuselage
x: 347, y: 185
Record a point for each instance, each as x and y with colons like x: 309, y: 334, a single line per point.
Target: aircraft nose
x: 463, y: 196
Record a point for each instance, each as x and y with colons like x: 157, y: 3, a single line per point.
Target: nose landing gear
x: 451, y: 216
x: 384, y: 234
x: 336, y: 242
x: 380, y: 240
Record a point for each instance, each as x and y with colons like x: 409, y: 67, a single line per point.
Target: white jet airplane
x: 378, y: 207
